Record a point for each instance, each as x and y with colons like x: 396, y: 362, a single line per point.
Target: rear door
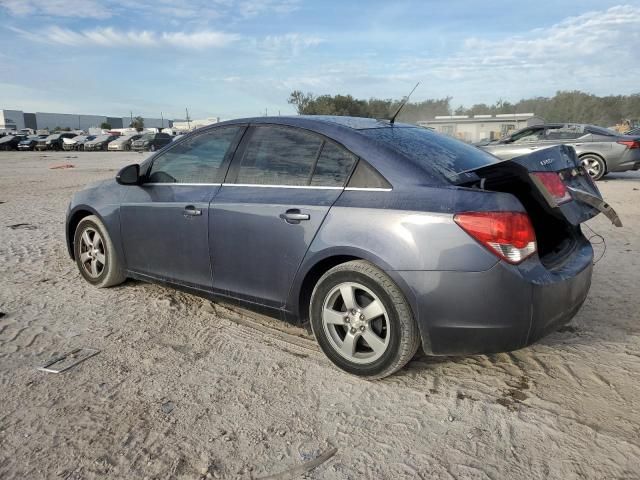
x: 164, y: 221
x: 281, y: 185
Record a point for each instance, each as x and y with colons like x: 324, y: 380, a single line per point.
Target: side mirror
x: 129, y: 175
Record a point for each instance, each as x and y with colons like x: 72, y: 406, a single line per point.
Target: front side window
x: 196, y: 160
x: 564, y: 132
x: 279, y: 156
x: 527, y: 136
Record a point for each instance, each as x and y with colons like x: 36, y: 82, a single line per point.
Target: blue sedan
x: 381, y: 237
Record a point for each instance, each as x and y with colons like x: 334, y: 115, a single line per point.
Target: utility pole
x: 131, y: 113
x: 161, y: 121
x: 188, y: 119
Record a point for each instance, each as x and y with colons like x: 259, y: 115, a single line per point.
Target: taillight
x: 509, y: 235
x: 630, y: 143
x: 554, y: 185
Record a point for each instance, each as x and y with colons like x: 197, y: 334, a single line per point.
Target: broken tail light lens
x: 509, y: 235
x: 631, y: 144
x: 554, y: 185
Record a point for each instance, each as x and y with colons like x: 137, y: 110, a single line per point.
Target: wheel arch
x: 318, y: 264
x: 74, y: 218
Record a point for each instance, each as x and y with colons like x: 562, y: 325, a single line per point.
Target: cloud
x: 578, y: 52
x: 251, y: 8
x: 110, y: 37
x: 58, y: 8
x: 182, y: 9
x: 282, y: 48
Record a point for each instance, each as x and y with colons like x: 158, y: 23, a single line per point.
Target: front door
x: 281, y: 185
x: 165, y: 221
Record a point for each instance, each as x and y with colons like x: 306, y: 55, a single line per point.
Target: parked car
x: 123, y: 143
x: 10, y: 142
x: 77, y: 142
x: 99, y: 143
x: 151, y: 142
x: 600, y: 150
x: 383, y: 236
x: 29, y: 142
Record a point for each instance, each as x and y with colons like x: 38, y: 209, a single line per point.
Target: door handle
x: 191, y: 211
x: 294, y: 216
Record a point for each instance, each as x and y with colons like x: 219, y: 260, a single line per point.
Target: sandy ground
x: 186, y: 389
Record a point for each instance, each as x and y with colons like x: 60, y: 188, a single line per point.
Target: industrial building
x: 17, y: 119
x: 480, y: 127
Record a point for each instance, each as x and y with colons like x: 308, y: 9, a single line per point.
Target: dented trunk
x: 556, y: 192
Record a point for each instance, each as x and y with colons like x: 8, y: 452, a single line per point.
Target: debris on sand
x: 515, y: 395
x: 167, y: 407
x: 298, y: 471
x: 22, y: 226
x: 68, y: 360
x: 65, y: 165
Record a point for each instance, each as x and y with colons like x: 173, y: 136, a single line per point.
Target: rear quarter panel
x: 409, y: 230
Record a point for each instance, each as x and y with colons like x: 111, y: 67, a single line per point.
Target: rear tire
x: 95, y: 255
x: 594, y: 165
x: 362, y: 321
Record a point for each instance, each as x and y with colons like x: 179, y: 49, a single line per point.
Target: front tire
x: 594, y: 165
x: 95, y: 254
x: 362, y: 321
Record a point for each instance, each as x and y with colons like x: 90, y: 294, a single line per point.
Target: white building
x: 17, y: 119
x: 184, y: 126
x: 11, y: 120
x: 480, y: 127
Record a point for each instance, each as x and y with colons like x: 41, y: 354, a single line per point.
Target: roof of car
x: 354, y: 123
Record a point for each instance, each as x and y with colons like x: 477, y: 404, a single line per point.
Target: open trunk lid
x: 554, y: 178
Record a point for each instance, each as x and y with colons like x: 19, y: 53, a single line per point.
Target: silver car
x: 123, y: 144
x: 600, y: 150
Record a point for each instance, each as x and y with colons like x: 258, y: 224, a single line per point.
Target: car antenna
x: 402, y: 104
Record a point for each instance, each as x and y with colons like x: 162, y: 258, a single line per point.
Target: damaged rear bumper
x: 504, y: 308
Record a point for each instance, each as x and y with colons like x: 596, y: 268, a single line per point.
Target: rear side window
x: 333, y: 166
x: 195, y: 160
x: 441, y: 153
x: 279, y: 156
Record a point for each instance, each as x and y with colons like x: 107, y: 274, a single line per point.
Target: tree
x: 105, y: 126
x: 300, y: 100
x: 564, y: 106
x: 138, y: 123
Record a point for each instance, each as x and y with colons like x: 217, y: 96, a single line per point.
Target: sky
x: 232, y: 59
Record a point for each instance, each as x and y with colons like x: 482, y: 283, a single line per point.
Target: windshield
x: 101, y: 138
x: 440, y: 152
x: 147, y: 136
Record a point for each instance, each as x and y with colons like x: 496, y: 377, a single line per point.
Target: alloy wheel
x: 356, y: 323
x: 92, y: 253
x: 592, y: 166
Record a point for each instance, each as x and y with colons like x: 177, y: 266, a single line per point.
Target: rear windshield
x: 444, y: 154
